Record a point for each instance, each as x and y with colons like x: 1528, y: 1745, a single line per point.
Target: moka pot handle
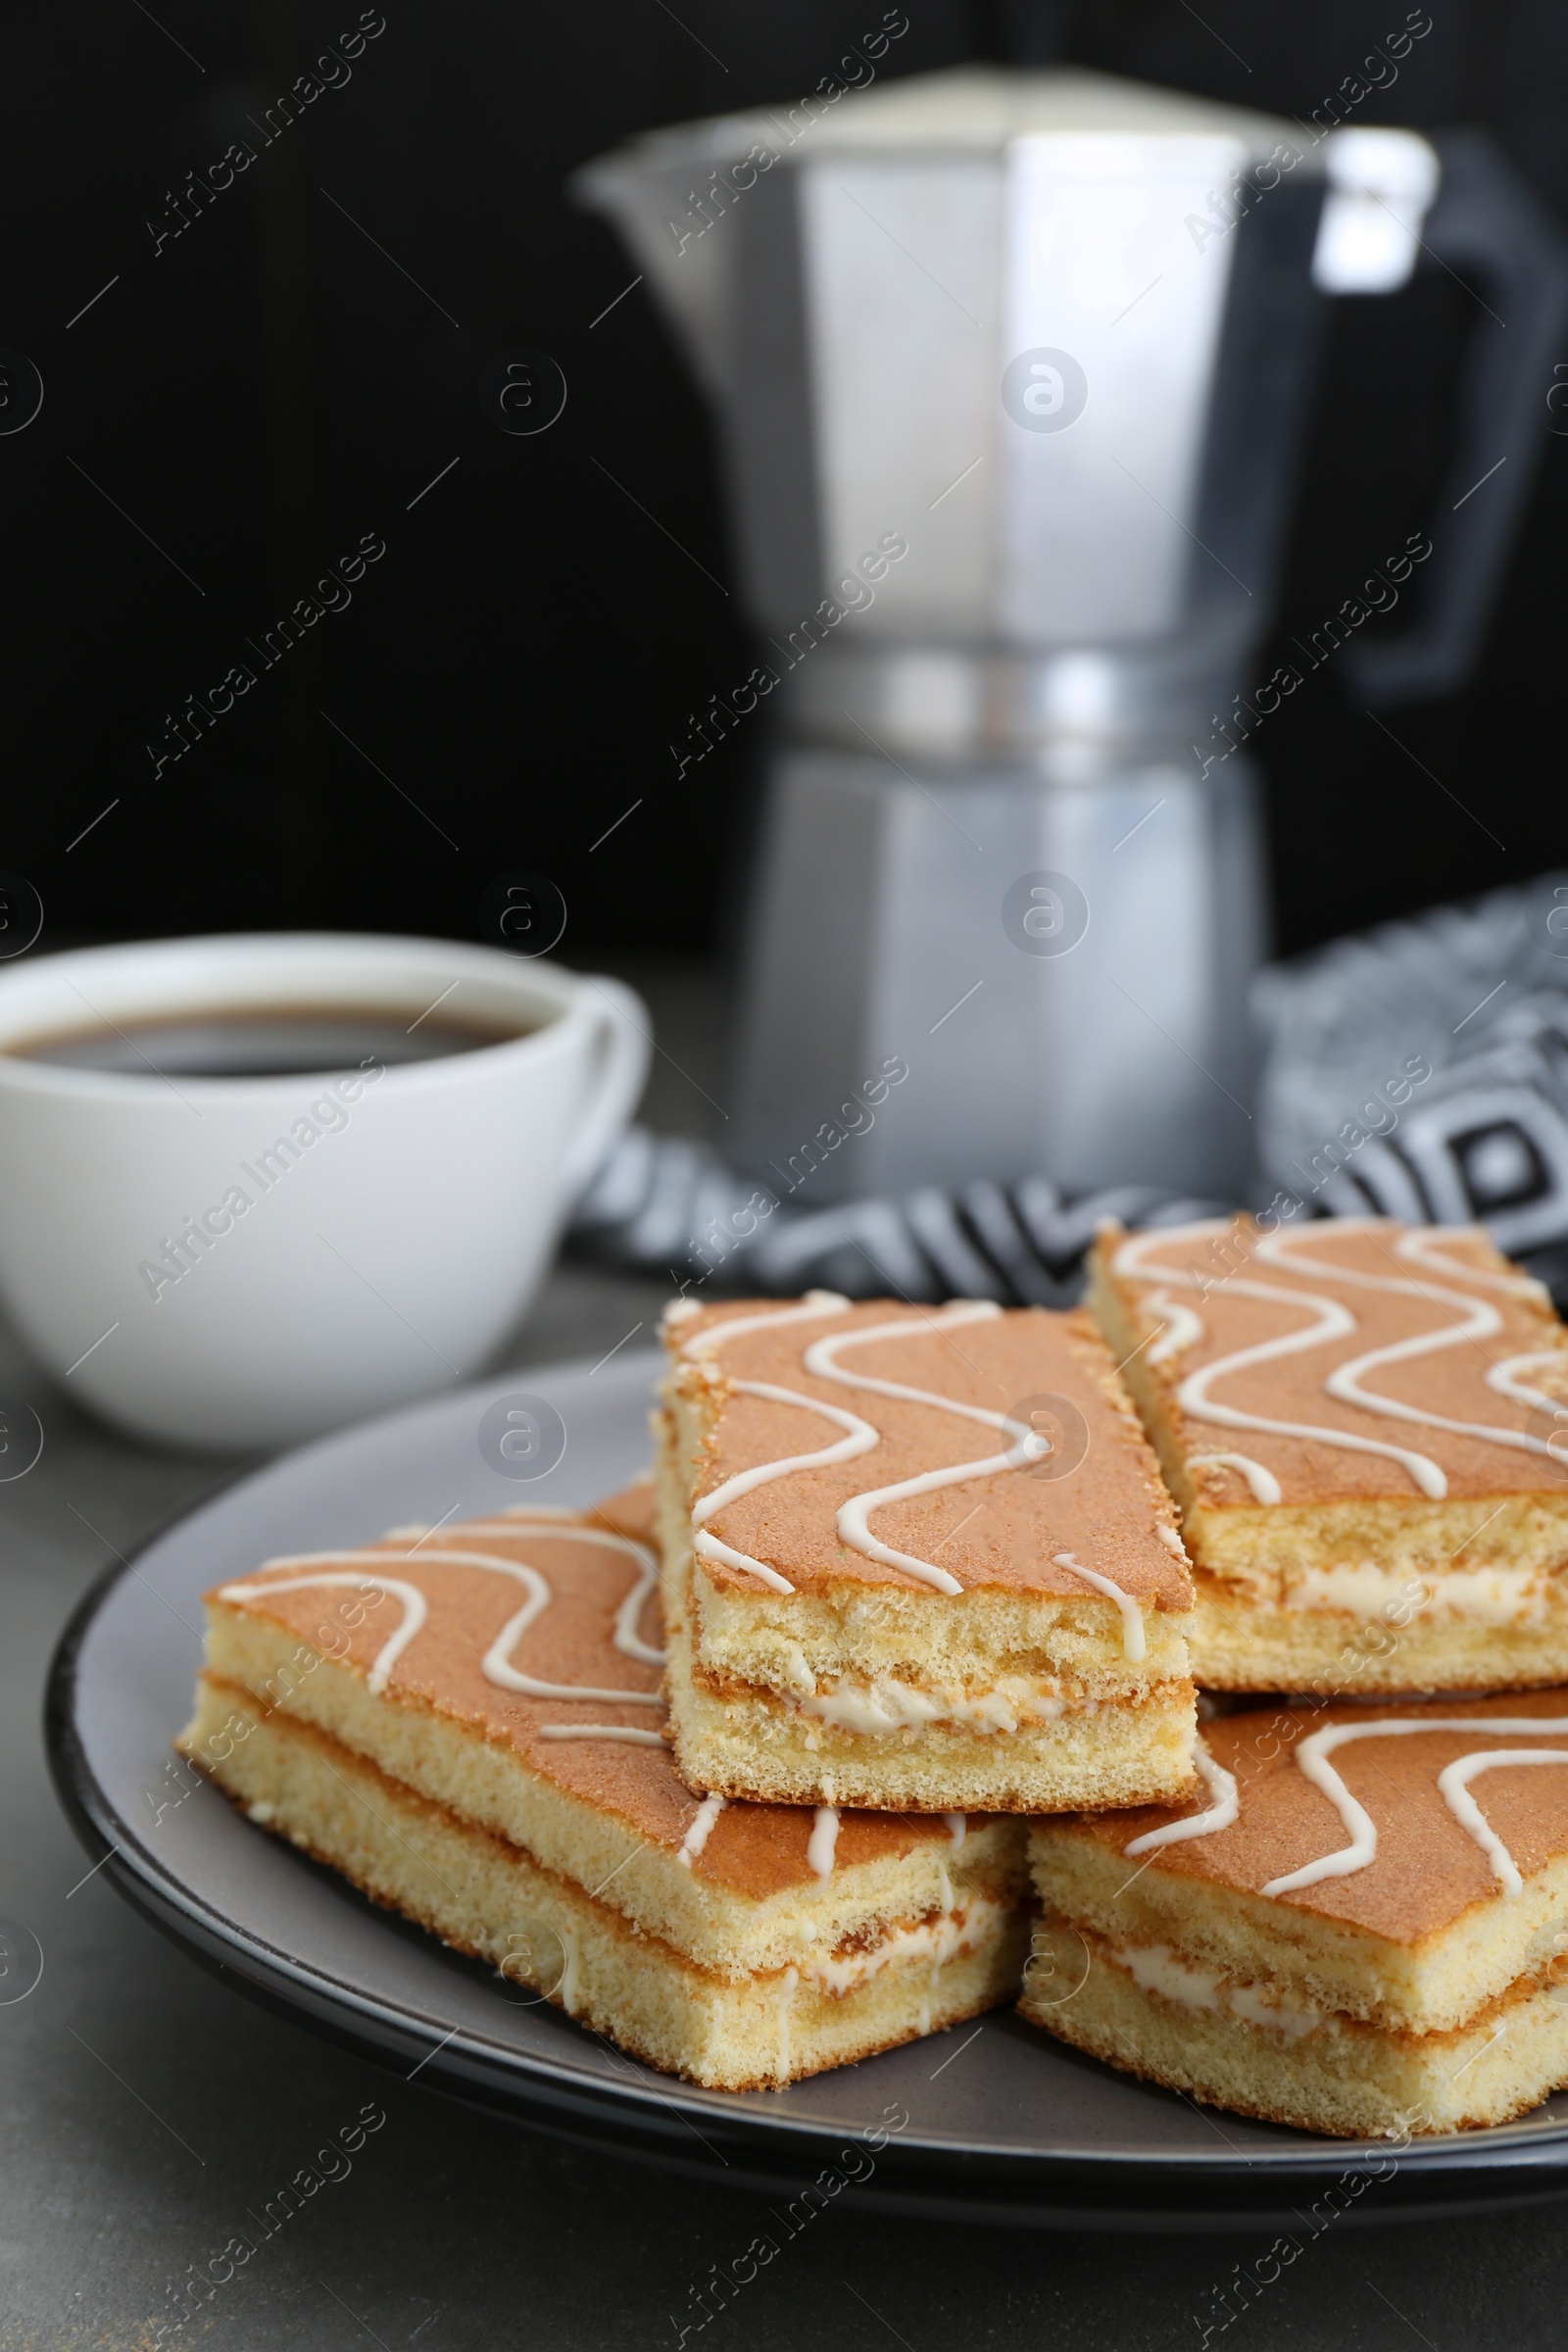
x: 1484, y: 225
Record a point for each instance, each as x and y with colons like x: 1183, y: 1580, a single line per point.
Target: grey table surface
x: 149, y: 2108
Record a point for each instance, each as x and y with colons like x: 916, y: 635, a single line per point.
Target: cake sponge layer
x: 1458, y: 1637
x: 1422, y: 1982
x: 746, y: 1742
x: 549, y: 1937
x: 794, y: 1642
x: 1235, y: 2045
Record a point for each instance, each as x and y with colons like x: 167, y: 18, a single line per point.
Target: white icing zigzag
x: 1481, y: 1321
x: 701, y: 1830
x: 822, y: 1844
x: 1180, y: 1329
x: 820, y: 1360
x: 1265, y: 1487
x: 1313, y: 1756
x: 1477, y: 1320
x: 1333, y: 1322
x: 861, y: 1437
x: 497, y: 1664
x: 413, y: 1603
x: 1218, y: 1816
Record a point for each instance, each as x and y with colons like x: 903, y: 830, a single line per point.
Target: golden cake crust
x: 1001, y: 1533
x: 1428, y: 1872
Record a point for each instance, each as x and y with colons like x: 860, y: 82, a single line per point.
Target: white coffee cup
x: 325, y: 1264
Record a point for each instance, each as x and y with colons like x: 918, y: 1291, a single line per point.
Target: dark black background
x: 271, y: 385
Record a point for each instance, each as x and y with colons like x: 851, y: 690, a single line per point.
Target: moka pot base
x: 1065, y: 1035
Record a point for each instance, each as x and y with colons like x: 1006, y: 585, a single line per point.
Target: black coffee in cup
x: 276, y: 1042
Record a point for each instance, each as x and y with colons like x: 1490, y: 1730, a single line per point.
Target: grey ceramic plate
x: 996, y: 2121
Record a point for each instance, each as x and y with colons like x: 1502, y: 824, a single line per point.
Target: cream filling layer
x: 889, y: 1705
x: 937, y: 1941
x: 1155, y: 1968
x: 1496, y: 1596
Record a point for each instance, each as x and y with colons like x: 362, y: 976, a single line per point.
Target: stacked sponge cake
x: 1362, y: 1925
x: 921, y: 1559
x: 468, y: 1726
x: 1359, y: 1423
x: 1363, y: 1932
x: 923, y: 1574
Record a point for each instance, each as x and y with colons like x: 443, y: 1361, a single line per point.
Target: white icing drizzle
x: 958, y: 1826
x: 822, y: 1844
x: 601, y: 1731
x: 497, y: 1666
x: 625, y: 1635
x: 1218, y: 1816
x: 1479, y: 1320
x: 1133, y: 1646
x: 812, y: 1307
x: 1173, y: 1544
x: 1420, y: 1247
x: 412, y: 1599
x: 786, y: 1993
x: 1331, y: 1320
x: 1502, y: 1377
x: 821, y: 1361
x: 1181, y: 1329
x: 571, y: 1974
x: 709, y: 1547
x: 860, y: 1439
x: 1264, y: 1485
x: 1455, y: 1783
x: 627, y: 1640
x: 701, y: 1830
x: 1312, y: 1758
x: 497, y: 1663
x: 929, y: 1992
x: 855, y: 1528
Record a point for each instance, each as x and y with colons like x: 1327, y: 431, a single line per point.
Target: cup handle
x: 624, y: 1046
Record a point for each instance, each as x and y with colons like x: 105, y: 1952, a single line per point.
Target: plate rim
x: 551, y: 2094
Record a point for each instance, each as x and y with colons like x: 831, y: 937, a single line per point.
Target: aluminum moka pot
x: 1011, y: 371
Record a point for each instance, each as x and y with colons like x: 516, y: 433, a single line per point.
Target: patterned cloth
x: 1478, y: 994
x: 1477, y: 998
